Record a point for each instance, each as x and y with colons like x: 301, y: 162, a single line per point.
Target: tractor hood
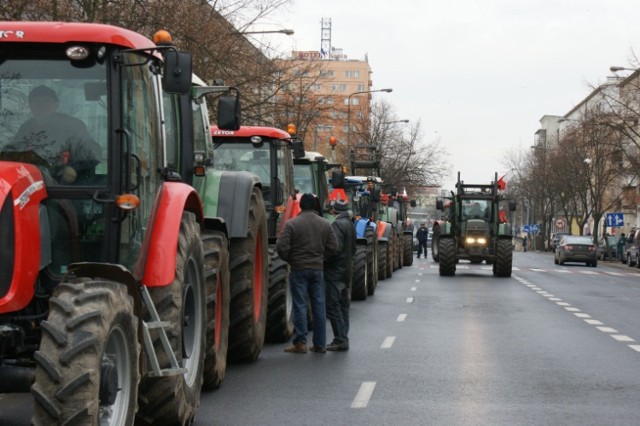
x: 21, y: 191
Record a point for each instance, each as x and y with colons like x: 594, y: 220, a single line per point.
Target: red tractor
x: 267, y: 153
x: 114, y: 284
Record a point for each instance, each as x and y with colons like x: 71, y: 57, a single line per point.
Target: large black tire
x: 372, y: 259
x: 87, y: 365
x: 447, y: 255
x: 382, y: 259
x: 359, y: 290
x: 249, y: 273
x: 280, y: 305
x: 216, y: 271
x: 371, y: 286
x: 394, y: 258
x: 504, y: 259
x: 407, y: 240
x: 174, y: 399
x: 435, y: 244
x: 391, y: 255
x: 400, y: 250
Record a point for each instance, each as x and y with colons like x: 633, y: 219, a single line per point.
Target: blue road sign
x: 530, y: 228
x: 615, y: 220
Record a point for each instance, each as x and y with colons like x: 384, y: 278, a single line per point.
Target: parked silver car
x: 576, y: 248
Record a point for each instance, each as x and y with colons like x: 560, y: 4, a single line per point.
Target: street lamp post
x: 285, y: 31
x: 349, y: 114
x: 614, y: 68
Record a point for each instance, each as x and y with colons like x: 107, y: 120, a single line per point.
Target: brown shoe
x: 297, y: 348
x: 318, y: 349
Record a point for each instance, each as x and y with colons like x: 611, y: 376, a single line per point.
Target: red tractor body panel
x: 161, y: 238
x: 24, y: 184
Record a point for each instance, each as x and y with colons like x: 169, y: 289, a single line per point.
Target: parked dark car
x: 556, y: 239
x: 576, y: 248
x: 608, y: 248
x: 630, y: 252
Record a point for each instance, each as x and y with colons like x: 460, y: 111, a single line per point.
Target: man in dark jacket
x: 305, y: 242
x: 422, y: 235
x: 337, y: 276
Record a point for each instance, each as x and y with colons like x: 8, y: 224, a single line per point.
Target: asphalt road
x: 553, y: 345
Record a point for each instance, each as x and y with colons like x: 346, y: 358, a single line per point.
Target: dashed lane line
x: 409, y: 299
x: 364, y: 395
x: 414, y: 288
x: 388, y: 342
x: 576, y: 311
x: 401, y: 317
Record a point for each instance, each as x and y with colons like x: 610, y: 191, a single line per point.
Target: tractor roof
x: 71, y: 32
x: 248, y: 131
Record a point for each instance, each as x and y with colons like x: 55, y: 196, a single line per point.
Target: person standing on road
x: 422, y: 235
x: 305, y: 242
x: 620, y: 246
x: 337, y: 276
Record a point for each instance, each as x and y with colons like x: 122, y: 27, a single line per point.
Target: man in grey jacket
x: 337, y: 276
x: 305, y: 242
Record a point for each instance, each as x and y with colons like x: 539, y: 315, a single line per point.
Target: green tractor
x: 476, y: 228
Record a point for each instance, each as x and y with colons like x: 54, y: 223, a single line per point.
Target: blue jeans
x: 338, y: 310
x: 308, y: 283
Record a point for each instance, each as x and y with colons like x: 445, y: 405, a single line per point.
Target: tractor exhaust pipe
x: 16, y: 379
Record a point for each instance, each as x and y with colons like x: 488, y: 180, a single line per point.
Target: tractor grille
x: 7, y: 250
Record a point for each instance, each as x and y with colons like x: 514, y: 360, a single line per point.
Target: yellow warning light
x: 291, y: 129
x: 333, y: 141
x: 127, y: 201
x: 162, y: 37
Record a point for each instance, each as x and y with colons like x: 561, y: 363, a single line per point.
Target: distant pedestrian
x: 622, y: 241
x: 306, y: 241
x: 524, y: 243
x: 337, y: 276
x: 422, y: 235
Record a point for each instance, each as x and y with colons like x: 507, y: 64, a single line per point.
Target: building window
x: 352, y: 74
x: 326, y: 73
x: 360, y: 87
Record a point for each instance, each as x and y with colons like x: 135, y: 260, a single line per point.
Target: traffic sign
x: 615, y: 220
x: 530, y: 228
x: 560, y: 223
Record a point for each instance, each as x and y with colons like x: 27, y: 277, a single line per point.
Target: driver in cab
x: 62, y: 142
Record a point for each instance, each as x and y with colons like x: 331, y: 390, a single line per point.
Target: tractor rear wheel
x: 504, y: 259
x: 372, y: 260
x: 173, y: 399
x: 87, y: 365
x: 447, y: 255
x: 407, y: 240
x: 391, y: 255
x: 249, y: 272
x: 216, y: 264
x: 382, y: 259
x: 359, y: 290
x: 280, y: 305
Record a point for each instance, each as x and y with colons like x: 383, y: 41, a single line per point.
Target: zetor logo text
x: 223, y: 133
x: 10, y: 33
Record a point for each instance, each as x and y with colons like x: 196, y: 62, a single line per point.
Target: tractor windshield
x: 53, y: 114
x: 303, y: 178
x: 475, y: 209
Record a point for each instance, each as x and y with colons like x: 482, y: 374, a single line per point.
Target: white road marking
x: 541, y: 292
x: 515, y: 268
x: 555, y: 299
x: 622, y: 338
x: 607, y: 329
x: 409, y: 299
x: 572, y: 309
x: 581, y: 315
x: 562, y: 271
x: 593, y: 322
x: 414, y: 288
x: 388, y: 342
x: 419, y: 274
x: 635, y: 347
x: 364, y: 395
x: 417, y: 281
x: 401, y: 317
x: 563, y: 304
x: 538, y: 270
x: 589, y: 272
x: 617, y: 274
x: 550, y: 296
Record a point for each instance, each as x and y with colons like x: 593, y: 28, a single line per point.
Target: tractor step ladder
x: 156, y: 324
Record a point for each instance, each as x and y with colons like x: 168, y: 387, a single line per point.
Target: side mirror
x: 229, y: 112
x: 439, y: 205
x: 337, y: 179
x: 413, y: 203
x: 298, y: 148
x: 512, y: 206
x: 177, y: 72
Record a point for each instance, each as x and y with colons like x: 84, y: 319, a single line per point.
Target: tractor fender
x: 385, y: 230
x: 161, y: 239
x: 226, y: 195
x: 22, y: 190
x: 361, y: 226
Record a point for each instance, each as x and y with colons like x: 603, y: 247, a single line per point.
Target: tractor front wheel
x: 447, y: 255
x: 87, y: 364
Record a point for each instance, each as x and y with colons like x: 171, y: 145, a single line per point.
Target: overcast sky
x: 479, y: 74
